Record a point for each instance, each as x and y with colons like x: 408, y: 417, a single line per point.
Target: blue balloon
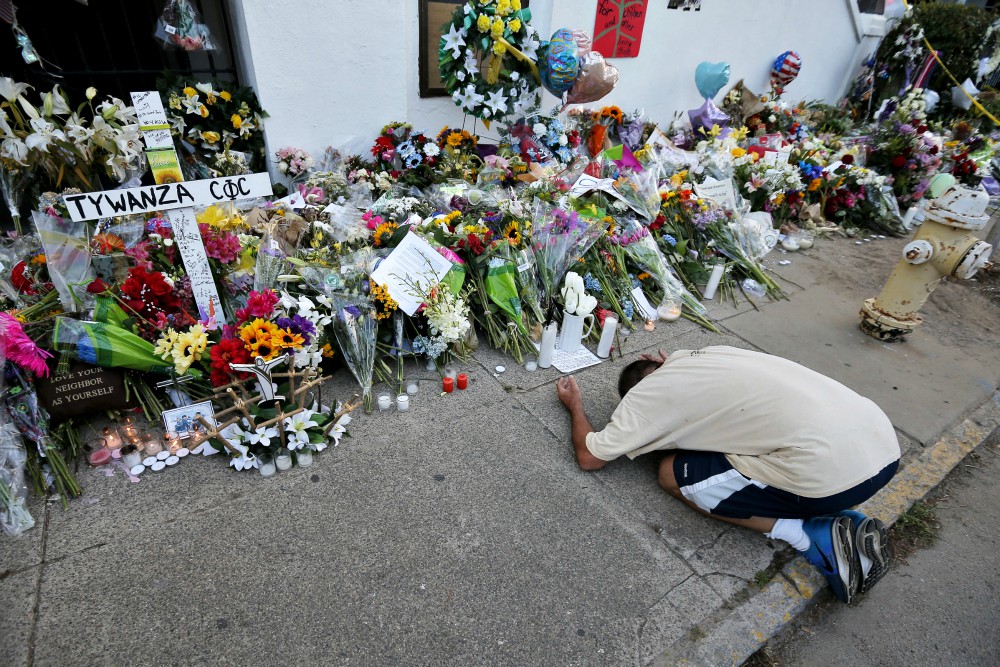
x: 710, y: 78
x: 561, y: 64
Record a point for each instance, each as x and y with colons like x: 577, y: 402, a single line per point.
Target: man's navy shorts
x: 708, y: 480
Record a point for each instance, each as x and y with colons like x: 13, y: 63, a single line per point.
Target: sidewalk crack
x: 38, y: 588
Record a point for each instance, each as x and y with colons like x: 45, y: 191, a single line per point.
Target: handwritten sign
x: 618, y: 27
x: 156, y: 133
x: 410, y: 271
x: 722, y: 192
x: 148, y: 198
x: 192, y: 247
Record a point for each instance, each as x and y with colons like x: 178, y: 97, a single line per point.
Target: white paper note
x: 189, y: 241
x: 410, y: 271
x: 587, y: 183
x: 721, y: 192
x: 567, y: 362
x: 647, y: 309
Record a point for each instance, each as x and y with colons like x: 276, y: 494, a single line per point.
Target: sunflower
x: 383, y: 233
x: 287, y: 339
x: 256, y: 332
x: 455, y: 139
x: 614, y: 113
x: 386, y: 305
x: 513, y: 233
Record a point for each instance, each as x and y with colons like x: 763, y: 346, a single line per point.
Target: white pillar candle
x: 304, y: 457
x: 607, y: 336
x: 713, y: 280
x: 549, y: 334
x: 265, y: 464
x: 402, y: 402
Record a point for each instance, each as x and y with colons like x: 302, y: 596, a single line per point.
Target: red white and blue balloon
x: 785, y: 69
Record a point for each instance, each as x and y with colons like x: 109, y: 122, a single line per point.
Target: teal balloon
x: 561, y: 64
x: 710, y: 78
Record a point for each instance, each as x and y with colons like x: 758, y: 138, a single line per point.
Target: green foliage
x: 957, y: 31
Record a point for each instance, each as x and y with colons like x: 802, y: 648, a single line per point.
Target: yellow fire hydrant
x: 941, y: 247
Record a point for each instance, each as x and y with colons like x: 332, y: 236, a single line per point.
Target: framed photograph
x: 433, y: 15
x: 184, y: 421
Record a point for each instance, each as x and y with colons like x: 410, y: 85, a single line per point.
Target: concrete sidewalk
x: 463, y: 533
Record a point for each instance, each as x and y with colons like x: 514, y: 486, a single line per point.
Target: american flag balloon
x: 785, y: 68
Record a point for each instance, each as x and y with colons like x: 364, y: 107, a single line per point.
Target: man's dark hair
x: 633, y: 374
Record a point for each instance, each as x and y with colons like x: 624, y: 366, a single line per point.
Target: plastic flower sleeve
x: 180, y: 27
x: 355, y: 328
x: 107, y: 345
x: 14, y: 517
x: 67, y: 254
x: 271, y: 263
x: 642, y: 250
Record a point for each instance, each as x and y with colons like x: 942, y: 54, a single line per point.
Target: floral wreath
x: 487, y: 59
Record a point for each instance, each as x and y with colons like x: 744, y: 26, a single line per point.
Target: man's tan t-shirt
x: 776, y: 421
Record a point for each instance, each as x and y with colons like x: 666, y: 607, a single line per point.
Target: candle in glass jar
x: 283, y: 461
x: 384, y: 402
x: 412, y: 387
x: 111, y: 437
x: 153, y: 445
x: 173, y: 443
x: 431, y: 365
x: 403, y: 402
x: 99, y: 456
x: 131, y: 456
x: 463, y: 381
x: 669, y: 311
x: 265, y: 464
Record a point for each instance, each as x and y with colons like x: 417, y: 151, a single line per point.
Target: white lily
x: 262, y: 436
x: 14, y: 149
x: 244, y: 460
x: 10, y: 90
x: 336, y: 433
x: 205, y: 88
x: 297, y: 428
x: 44, y: 134
x: 192, y: 105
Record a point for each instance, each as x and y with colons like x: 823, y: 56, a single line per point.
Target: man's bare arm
x: 572, y: 399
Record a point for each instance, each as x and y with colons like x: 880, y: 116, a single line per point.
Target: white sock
x: 790, y: 530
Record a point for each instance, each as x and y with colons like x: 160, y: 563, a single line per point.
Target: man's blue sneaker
x: 831, y: 551
x: 872, y: 542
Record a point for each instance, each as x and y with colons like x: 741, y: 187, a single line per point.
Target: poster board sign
x: 618, y: 27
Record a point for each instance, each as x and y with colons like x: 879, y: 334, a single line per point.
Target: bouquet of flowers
x: 407, y: 155
x: 294, y: 162
x: 355, y: 328
x: 180, y: 26
x: 902, y: 152
x: 559, y: 238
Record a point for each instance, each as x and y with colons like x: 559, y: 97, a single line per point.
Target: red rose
x: 898, y: 161
x: 847, y: 159
x: 97, y: 287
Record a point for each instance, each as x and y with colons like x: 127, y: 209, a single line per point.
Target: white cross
x: 177, y: 199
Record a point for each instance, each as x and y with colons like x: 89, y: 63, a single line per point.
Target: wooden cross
x: 175, y: 197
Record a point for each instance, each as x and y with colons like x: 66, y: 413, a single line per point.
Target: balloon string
x: 951, y: 76
x: 526, y: 60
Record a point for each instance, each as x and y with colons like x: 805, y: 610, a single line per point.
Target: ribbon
x: 527, y: 61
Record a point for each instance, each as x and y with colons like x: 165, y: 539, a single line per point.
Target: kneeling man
x: 760, y: 442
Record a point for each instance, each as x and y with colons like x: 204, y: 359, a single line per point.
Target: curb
x: 732, y: 639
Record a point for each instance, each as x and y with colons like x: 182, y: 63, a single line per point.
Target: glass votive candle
x: 265, y: 464
x: 111, y: 437
x: 153, y: 445
x: 791, y: 242
x: 412, y: 387
x: 403, y: 402
x: 530, y: 364
x: 431, y: 365
x: 451, y: 371
x: 668, y: 311
x: 283, y: 459
x: 131, y: 456
x: 97, y: 452
x: 173, y: 443
x: 304, y: 457
x: 805, y: 240
x: 384, y: 402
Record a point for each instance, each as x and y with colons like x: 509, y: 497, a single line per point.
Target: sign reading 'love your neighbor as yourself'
x: 94, y: 205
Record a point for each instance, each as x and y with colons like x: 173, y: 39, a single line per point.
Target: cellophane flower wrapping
x: 356, y: 328
x: 559, y: 238
x: 643, y: 251
x: 67, y: 254
x: 14, y: 516
x: 180, y: 27
x: 271, y: 263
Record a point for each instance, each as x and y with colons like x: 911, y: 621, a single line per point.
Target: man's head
x: 633, y: 374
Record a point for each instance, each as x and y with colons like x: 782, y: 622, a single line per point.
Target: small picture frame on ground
x: 184, y: 421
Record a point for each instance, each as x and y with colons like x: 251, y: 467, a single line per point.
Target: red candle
x: 448, y: 385
x: 463, y: 381
x: 99, y: 457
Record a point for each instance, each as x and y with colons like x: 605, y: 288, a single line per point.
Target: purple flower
x: 906, y: 128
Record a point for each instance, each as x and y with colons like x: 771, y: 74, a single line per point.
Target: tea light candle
x: 162, y: 455
x: 182, y: 452
x: 412, y: 387
x: 403, y: 402
x: 111, y: 437
x: 137, y: 470
x: 158, y: 466
x: 283, y: 461
x: 153, y: 446
x: 384, y: 402
x: 448, y: 385
x: 148, y: 461
x: 171, y: 460
x: 669, y: 311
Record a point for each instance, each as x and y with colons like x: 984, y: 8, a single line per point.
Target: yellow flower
x: 257, y: 331
x: 287, y: 339
x: 738, y: 152
x: 237, y: 121
x: 189, y: 91
x: 203, y: 111
x: 814, y: 184
x: 496, y: 30
x: 499, y: 48
x: 516, y: 4
x: 386, y: 304
x: 175, y: 102
x: 226, y: 95
x: 383, y: 233
x: 455, y: 139
x: 715, y: 131
x: 210, y: 136
x: 740, y: 134
x: 327, y: 350
x: 513, y: 233
x: 779, y: 199
x: 514, y: 25
x: 165, y: 344
x: 483, y: 23
x: 503, y: 7
x: 210, y: 99
x: 191, y: 345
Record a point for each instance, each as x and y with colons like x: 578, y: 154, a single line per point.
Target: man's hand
x: 648, y: 357
x: 569, y: 393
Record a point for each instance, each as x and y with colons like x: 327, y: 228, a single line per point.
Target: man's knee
x: 666, y: 476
